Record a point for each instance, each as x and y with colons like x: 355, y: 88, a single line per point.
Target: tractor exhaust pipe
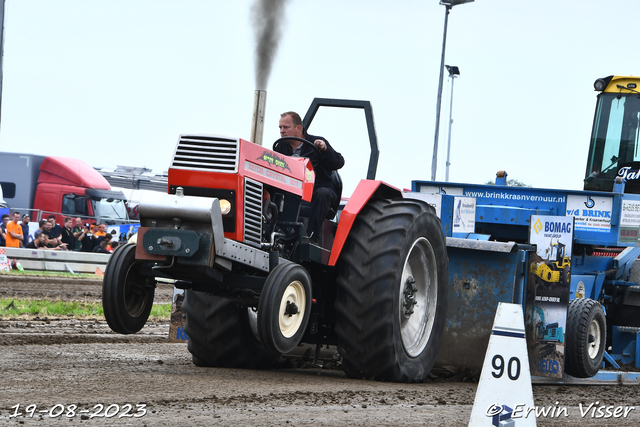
x: 257, y: 124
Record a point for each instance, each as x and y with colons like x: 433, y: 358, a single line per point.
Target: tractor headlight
x: 225, y: 206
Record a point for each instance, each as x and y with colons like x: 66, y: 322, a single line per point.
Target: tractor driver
x: 324, y: 195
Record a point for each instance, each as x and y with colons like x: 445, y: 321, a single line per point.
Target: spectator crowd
x: 74, y: 235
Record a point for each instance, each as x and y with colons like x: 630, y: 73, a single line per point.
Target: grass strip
x: 47, y: 273
x: 13, y: 307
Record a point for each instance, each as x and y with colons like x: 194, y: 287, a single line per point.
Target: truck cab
x: 61, y: 186
x: 4, y: 207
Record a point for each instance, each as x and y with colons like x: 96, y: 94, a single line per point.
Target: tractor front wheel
x: 127, y: 296
x: 392, y: 292
x: 284, y: 308
x: 585, y: 338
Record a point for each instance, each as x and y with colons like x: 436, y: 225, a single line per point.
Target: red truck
x: 59, y: 185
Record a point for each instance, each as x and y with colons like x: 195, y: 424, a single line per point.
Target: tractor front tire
x: 392, y: 292
x: 284, y: 308
x: 585, y: 338
x: 220, y: 334
x: 127, y: 296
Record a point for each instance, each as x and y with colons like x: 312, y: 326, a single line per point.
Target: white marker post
x: 504, y: 393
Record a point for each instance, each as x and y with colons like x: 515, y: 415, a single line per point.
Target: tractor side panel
x: 292, y: 174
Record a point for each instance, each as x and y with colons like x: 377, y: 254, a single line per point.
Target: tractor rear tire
x: 220, y: 334
x: 127, y: 297
x: 392, y: 292
x: 585, y: 338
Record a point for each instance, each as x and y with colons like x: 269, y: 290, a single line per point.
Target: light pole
x: 448, y: 4
x: 453, y: 73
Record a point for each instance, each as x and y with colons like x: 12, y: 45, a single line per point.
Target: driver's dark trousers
x: 321, y: 201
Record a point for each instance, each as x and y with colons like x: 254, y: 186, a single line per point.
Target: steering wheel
x: 314, y: 162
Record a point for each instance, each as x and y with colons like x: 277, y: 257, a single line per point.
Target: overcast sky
x: 115, y: 82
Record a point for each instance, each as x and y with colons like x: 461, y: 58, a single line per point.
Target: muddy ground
x: 75, y: 370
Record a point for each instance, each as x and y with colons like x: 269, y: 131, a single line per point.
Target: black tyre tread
x: 369, y: 266
x: 220, y: 334
x: 580, y: 313
x: 113, y: 293
x: 108, y: 298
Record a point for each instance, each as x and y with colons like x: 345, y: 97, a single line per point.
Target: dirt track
x: 48, y: 362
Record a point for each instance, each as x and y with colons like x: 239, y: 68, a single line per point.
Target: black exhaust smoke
x: 267, y: 17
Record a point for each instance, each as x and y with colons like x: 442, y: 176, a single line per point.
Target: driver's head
x: 290, y: 125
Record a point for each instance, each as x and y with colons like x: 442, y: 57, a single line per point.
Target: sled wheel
x: 585, y: 338
x: 127, y: 296
x: 220, y: 333
x: 392, y: 292
x: 284, y: 308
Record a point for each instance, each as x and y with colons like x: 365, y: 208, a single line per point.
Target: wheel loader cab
x: 615, y: 140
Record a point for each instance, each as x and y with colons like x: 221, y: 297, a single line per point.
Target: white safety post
x: 504, y: 393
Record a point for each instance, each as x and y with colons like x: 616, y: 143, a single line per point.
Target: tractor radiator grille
x: 252, y: 212
x: 206, y: 152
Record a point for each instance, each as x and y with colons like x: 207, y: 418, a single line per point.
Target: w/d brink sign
x: 505, y: 382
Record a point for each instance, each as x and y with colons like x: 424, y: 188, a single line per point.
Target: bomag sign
x: 557, y: 227
x: 553, y: 227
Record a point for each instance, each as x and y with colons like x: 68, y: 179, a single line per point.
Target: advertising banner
x: 548, y: 293
x: 630, y: 221
x: 123, y: 232
x: 464, y: 215
x: 591, y: 213
x: 4, y: 261
x: 176, y: 328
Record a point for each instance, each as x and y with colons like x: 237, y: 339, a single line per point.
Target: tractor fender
x: 365, y: 191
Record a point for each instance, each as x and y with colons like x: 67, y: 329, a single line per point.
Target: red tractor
x: 230, y: 232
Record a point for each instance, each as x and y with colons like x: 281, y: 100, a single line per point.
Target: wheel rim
x: 135, y: 295
x: 594, y: 331
x: 292, y: 307
x: 418, y: 297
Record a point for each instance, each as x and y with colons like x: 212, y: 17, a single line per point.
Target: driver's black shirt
x: 332, y: 159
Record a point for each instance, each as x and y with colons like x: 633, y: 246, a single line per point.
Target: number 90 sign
x: 512, y: 367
